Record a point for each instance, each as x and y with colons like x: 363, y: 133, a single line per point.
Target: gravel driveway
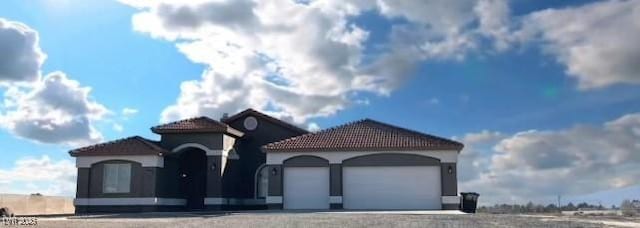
x: 319, y: 219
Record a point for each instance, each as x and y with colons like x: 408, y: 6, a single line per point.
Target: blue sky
x: 474, y: 91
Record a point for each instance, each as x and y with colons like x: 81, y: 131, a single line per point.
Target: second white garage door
x: 306, y: 188
x: 392, y: 187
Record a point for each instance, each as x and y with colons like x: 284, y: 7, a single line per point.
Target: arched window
x: 262, y: 182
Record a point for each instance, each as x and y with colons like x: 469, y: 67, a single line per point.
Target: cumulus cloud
x: 298, y: 59
x: 596, y: 42
x: 129, y: 111
x: 308, y: 59
x: 39, y: 175
x: 537, y: 165
x: 51, y: 109
x: 494, y: 17
x: 56, y: 110
x: 21, y: 55
x: 313, y: 127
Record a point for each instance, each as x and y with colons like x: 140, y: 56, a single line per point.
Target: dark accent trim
x: 391, y: 159
x: 335, y: 180
x: 274, y: 206
x: 82, y: 184
x: 244, y: 207
x: 214, y: 207
x: 450, y: 206
x: 125, y: 209
x: 335, y: 206
x: 306, y: 161
x: 449, y: 180
x: 275, y: 180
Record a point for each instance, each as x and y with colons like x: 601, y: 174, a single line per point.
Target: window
x: 116, y: 178
x: 262, y: 182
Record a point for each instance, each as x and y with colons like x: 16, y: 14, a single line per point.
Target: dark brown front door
x: 193, y: 177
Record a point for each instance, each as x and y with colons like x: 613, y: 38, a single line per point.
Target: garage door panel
x: 401, y: 187
x: 306, y: 188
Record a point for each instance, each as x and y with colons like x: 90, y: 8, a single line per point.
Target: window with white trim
x: 262, y: 182
x: 116, y: 178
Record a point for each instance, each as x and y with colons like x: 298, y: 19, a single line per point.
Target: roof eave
x: 88, y: 154
x: 272, y: 150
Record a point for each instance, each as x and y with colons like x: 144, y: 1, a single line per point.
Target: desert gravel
x: 273, y: 219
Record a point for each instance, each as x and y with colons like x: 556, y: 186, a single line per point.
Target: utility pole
x: 559, y: 204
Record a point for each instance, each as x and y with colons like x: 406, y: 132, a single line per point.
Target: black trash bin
x: 469, y: 201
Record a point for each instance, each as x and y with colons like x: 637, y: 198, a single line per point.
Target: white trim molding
x: 208, y: 151
x: 274, y: 199
x: 450, y: 200
x: 255, y: 181
x: 144, y: 160
x: 277, y: 158
x: 335, y: 199
x: 215, y: 201
x: 128, y: 201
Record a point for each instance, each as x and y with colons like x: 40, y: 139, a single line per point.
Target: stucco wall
x: 239, y: 176
x: 213, y: 141
x: 168, y: 179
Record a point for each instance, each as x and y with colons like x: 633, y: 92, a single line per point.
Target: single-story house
x: 254, y: 161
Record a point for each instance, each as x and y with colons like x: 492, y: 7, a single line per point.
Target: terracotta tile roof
x: 266, y: 117
x: 135, y: 145
x: 197, y: 124
x: 363, y: 135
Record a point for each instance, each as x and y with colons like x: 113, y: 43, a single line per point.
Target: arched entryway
x: 193, y: 177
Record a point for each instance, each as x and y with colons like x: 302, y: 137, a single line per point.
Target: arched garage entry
x: 391, y: 181
x: 306, y: 183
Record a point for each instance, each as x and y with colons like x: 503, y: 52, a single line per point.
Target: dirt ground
x: 320, y: 219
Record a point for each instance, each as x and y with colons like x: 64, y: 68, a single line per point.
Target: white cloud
x: 129, y: 111
x: 21, y: 56
x: 251, y: 59
x: 299, y: 60
x: 39, y: 175
x: 597, y: 42
x: 494, y: 19
x: 482, y: 137
x: 313, y: 127
x: 282, y: 56
x: 50, y: 109
x: 55, y: 110
x: 118, y: 127
x: 538, y: 165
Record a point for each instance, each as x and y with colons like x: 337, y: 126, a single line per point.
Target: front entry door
x: 193, y: 177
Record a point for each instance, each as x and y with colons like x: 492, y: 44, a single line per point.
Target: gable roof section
x: 135, y: 145
x: 363, y: 135
x: 201, y: 124
x: 266, y: 117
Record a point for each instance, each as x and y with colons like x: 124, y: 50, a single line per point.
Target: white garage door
x: 306, y: 188
x: 398, y: 187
